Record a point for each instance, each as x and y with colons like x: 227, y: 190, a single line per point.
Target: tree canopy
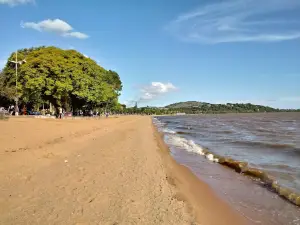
x: 193, y: 107
x: 203, y: 107
x: 61, y: 77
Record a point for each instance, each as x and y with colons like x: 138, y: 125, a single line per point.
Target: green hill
x: 203, y: 107
x: 188, y: 104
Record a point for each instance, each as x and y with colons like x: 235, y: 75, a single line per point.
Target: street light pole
x: 16, y: 98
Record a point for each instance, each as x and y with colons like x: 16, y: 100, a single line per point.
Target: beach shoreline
x: 207, y: 206
x: 110, y: 171
x: 247, y: 166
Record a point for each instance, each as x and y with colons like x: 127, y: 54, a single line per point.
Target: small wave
x: 212, y: 158
x: 264, y: 130
x: 267, y: 180
x: 185, y: 144
x: 172, y: 122
x: 184, y: 132
x: 266, y: 144
x: 190, y: 146
x: 157, y: 122
x: 277, y: 166
x: 289, y: 121
x: 223, y: 131
x: 169, y: 131
x: 184, y: 128
x: 295, y: 152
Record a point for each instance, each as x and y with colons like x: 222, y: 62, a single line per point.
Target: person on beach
x: 60, y: 112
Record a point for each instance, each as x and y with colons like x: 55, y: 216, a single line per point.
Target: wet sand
x: 107, y: 171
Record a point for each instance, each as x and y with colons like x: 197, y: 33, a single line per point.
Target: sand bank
x: 107, y: 171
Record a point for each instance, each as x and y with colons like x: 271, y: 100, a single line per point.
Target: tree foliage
x: 193, y: 107
x: 203, y: 107
x: 61, y: 77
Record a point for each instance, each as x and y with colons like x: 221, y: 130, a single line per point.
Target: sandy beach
x: 106, y: 171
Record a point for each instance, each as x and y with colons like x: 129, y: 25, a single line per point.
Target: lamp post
x: 16, y: 98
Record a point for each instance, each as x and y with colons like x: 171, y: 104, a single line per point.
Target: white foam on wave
x: 212, y: 158
x: 187, y: 145
x: 182, y: 143
x: 157, y: 122
x: 190, y: 146
x: 166, y: 130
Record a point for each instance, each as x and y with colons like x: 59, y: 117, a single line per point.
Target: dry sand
x: 107, y: 171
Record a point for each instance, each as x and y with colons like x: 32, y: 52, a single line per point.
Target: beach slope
x: 106, y: 171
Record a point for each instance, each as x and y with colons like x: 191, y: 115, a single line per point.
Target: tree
x: 113, y: 78
x: 7, y: 94
x: 62, y: 77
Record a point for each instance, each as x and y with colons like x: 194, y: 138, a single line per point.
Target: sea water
x: 251, y: 160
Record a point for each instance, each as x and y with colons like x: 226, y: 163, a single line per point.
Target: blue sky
x: 172, y: 50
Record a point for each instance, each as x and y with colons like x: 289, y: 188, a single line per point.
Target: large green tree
x: 61, y: 77
x: 6, y: 93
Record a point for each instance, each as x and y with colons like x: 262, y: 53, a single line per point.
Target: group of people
x: 61, y: 113
x: 10, y: 110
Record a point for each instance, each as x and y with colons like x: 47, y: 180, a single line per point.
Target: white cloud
x: 239, y: 21
x: 76, y: 35
x: 155, y: 89
x: 56, y: 26
x: 16, y: 2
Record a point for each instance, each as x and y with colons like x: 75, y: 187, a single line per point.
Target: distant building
x: 180, y: 114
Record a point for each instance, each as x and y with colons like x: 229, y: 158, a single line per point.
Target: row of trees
x: 204, y: 108
x: 64, y: 78
x: 227, y: 108
x: 148, y: 111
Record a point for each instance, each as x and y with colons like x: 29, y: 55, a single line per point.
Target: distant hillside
x: 188, y: 104
x: 193, y: 107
